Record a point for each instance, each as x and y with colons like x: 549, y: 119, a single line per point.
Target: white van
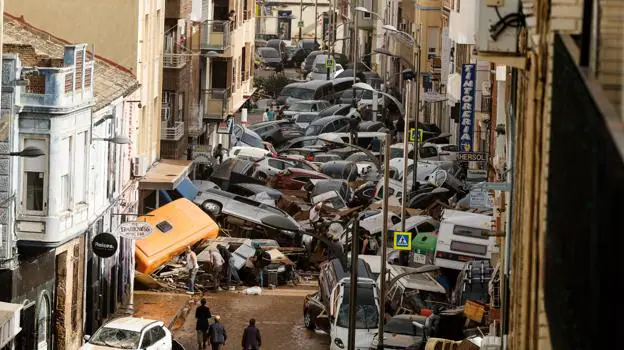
x: 248, y: 153
x: 463, y: 237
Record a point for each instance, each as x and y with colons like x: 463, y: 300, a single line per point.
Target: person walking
x: 216, y: 263
x: 202, y: 314
x: 192, y: 266
x: 251, y: 336
x: 400, y: 129
x: 270, y: 114
x: 265, y: 115
x: 217, y: 334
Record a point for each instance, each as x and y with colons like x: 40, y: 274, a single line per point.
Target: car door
x: 160, y: 338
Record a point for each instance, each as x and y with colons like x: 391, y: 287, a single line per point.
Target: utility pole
x: 300, y: 19
x: 417, y: 116
x: 355, y: 245
x: 316, y: 21
x: 354, y: 40
x: 384, y: 242
x: 330, y: 36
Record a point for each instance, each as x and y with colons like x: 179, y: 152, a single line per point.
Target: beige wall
x: 129, y: 33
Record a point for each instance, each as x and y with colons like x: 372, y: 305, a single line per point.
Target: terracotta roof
x: 111, y: 80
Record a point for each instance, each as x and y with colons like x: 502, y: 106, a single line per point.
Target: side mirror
x: 86, y: 338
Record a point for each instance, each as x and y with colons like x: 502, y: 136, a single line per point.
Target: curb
x: 182, y: 313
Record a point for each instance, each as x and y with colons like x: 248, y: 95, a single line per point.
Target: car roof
x: 136, y: 324
x: 328, y: 119
x: 313, y: 84
x: 299, y: 171
x: 309, y: 101
x: 267, y: 48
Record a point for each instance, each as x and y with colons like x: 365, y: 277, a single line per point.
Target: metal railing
x: 215, y: 35
x: 215, y: 103
x: 175, y: 60
x: 585, y: 186
x: 173, y: 133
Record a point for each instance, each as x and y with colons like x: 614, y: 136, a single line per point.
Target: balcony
x: 175, y: 60
x: 215, y: 35
x: 58, y: 87
x: 216, y: 103
x: 171, y: 133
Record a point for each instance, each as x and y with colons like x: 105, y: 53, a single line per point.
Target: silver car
x: 247, y: 215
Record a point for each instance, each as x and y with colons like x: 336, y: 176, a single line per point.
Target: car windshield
x: 252, y: 141
x: 366, y: 314
x: 300, y: 107
x: 269, y: 53
x: 313, y: 130
x: 302, y: 93
x: 396, y: 152
x: 320, y: 67
x: 358, y: 157
x: 305, y: 118
x: 116, y: 338
x: 402, y: 326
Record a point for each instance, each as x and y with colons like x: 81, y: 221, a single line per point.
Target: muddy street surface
x: 278, y: 315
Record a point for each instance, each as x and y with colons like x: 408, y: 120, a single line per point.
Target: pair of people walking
x: 216, y: 335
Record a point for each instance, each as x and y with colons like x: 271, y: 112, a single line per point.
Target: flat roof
x: 165, y: 175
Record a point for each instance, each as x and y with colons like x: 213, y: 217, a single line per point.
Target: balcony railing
x: 171, y: 133
x: 586, y: 146
x: 215, y: 35
x: 175, y: 60
x: 216, y: 103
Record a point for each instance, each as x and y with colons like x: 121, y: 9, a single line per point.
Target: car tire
x: 262, y: 176
x: 308, y: 321
x: 213, y: 208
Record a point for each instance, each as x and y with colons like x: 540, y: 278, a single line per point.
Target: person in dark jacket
x: 251, y: 336
x: 354, y: 125
x: 202, y: 314
x: 217, y: 334
x: 218, y: 153
x: 229, y: 260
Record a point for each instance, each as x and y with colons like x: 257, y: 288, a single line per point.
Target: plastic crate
x: 474, y: 310
x: 271, y: 277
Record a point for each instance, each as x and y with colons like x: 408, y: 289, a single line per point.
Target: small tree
x: 271, y: 85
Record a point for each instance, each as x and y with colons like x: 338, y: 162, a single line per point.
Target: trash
x: 253, y: 291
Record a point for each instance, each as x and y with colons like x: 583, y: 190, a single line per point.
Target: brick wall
x: 609, y: 65
x: 26, y: 54
x: 36, y: 83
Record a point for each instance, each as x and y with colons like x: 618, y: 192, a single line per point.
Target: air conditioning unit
x: 497, y: 24
x: 139, y: 166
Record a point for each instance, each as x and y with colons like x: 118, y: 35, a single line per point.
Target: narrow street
x: 278, y: 314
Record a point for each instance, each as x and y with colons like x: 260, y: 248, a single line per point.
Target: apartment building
x: 133, y: 39
x: 76, y: 109
x: 181, y: 121
x: 227, y: 46
x: 287, y: 19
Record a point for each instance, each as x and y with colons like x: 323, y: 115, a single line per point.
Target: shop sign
x: 472, y: 157
x: 467, y: 103
x: 104, y: 245
x: 134, y: 229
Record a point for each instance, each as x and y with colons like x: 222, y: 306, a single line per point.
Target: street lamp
x: 211, y: 54
x: 364, y: 86
x: 117, y: 139
x: 27, y: 152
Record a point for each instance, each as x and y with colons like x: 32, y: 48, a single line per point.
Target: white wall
x: 462, y: 24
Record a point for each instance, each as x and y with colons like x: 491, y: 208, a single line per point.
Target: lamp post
x: 117, y: 139
x: 27, y: 152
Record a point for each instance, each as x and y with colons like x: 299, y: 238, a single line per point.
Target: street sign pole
x: 384, y: 240
x: 354, y: 277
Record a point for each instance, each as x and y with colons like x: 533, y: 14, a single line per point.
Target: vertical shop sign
x: 468, y: 78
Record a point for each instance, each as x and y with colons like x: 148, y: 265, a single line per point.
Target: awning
x: 165, y: 175
x: 9, y: 322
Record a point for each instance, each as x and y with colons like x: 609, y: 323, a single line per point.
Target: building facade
x: 135, y: 41
x: 227, y: 47
x: 72, y: 107
x: 288, y: 20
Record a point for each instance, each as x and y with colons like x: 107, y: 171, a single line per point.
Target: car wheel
x: 308, y: 322
x: 262, y: 176
x: 213, y: 208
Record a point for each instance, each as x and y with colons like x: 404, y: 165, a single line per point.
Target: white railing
x: 173, y: 133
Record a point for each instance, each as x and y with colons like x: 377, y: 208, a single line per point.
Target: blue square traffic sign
x: 402, y: 241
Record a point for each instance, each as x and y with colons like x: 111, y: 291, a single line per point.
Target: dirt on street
x: 278, y: 315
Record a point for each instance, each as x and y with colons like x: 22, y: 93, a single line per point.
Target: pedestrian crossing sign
x: 413, y: 135
x: 402, y: 241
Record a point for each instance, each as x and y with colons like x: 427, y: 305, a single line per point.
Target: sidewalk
x: 166, y: 307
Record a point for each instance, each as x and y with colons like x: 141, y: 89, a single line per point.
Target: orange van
x: 177, y: 225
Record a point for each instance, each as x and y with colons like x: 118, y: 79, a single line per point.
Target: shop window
x: 43, y: 317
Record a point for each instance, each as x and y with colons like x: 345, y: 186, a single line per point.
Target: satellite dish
x: 438, y: 178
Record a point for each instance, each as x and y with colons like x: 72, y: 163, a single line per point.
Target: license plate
x: 420, y: 258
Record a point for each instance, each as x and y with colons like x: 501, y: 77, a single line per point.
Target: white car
x: 248, y: 153
x: 130, y: 333
x: 272, y: 166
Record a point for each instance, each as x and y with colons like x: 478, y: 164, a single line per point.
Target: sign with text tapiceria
x: 467, y: 107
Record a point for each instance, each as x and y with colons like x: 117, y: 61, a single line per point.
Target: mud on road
x: 278, y: 315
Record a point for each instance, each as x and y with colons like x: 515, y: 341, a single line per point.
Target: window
x: 274, y: 163
x: 471, y: 232
x: 469, y: 248
x: 43, y: 317
x: 433, y: 34
x: 82, y: 147
x: 147, y: 340
x: 34, y: 178
x: 164, y: 226
x: 34, y: 190
x: 65, y: 192
x: 157, y: 333
x: 426, y: 227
